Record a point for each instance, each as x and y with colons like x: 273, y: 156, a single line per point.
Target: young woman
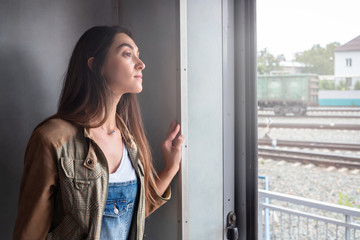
x: 88, y: 170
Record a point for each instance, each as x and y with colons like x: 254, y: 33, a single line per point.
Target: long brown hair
x: 85, y: 95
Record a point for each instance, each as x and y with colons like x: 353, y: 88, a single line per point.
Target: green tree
x: 342, y: 85
x: 318, y: 60
x: 267, y: 62
x: 357, y: 85
x: 326, y: 85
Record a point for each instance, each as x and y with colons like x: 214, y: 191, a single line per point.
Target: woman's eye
x: 128, y: 54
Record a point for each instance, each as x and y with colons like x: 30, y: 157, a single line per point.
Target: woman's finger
x: 171, y: 127
x: 179, y: 141
x: 171, y: 136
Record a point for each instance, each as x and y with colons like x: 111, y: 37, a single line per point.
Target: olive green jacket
x: 65, y: 183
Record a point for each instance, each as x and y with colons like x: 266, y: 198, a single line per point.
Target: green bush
x: 347, y: 201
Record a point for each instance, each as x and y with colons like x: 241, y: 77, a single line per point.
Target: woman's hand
x: 171, y: 148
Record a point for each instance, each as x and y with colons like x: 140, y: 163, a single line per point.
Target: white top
x: 125, y: 172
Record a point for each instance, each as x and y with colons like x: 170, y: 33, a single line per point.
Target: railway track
x: 324, y: 109
x: 333, y: 109
x: 310, y: 144
x: 333, y: 126
x: 319, y: 159
x: 311, y: 116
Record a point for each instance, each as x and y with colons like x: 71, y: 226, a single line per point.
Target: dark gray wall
x: 36, y: 40
x: 155, y: 25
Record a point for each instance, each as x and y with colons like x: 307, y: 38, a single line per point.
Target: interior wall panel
x: 205, y: 119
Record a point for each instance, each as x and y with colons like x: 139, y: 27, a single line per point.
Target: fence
x: 283, y: 216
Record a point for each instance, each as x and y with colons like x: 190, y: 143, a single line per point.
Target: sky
x: 290, y: 26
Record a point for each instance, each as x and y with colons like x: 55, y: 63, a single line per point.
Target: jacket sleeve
x: 37, y: 189
x: 160, y: 200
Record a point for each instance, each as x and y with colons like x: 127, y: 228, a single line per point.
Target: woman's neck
x: 110, y: 124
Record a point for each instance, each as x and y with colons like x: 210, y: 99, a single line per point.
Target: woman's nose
x: 141, y: 64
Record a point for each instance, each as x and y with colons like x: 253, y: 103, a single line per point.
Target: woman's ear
x: 90, y: 62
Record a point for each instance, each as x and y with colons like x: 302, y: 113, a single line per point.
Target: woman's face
x: 122, y: 67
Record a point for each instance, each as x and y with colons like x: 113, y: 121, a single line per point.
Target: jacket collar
x: 91, y: 158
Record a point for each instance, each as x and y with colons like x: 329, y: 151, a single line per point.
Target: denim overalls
x: 121, y: 202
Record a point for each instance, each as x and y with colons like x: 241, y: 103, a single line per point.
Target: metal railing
x: 292, y: 217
